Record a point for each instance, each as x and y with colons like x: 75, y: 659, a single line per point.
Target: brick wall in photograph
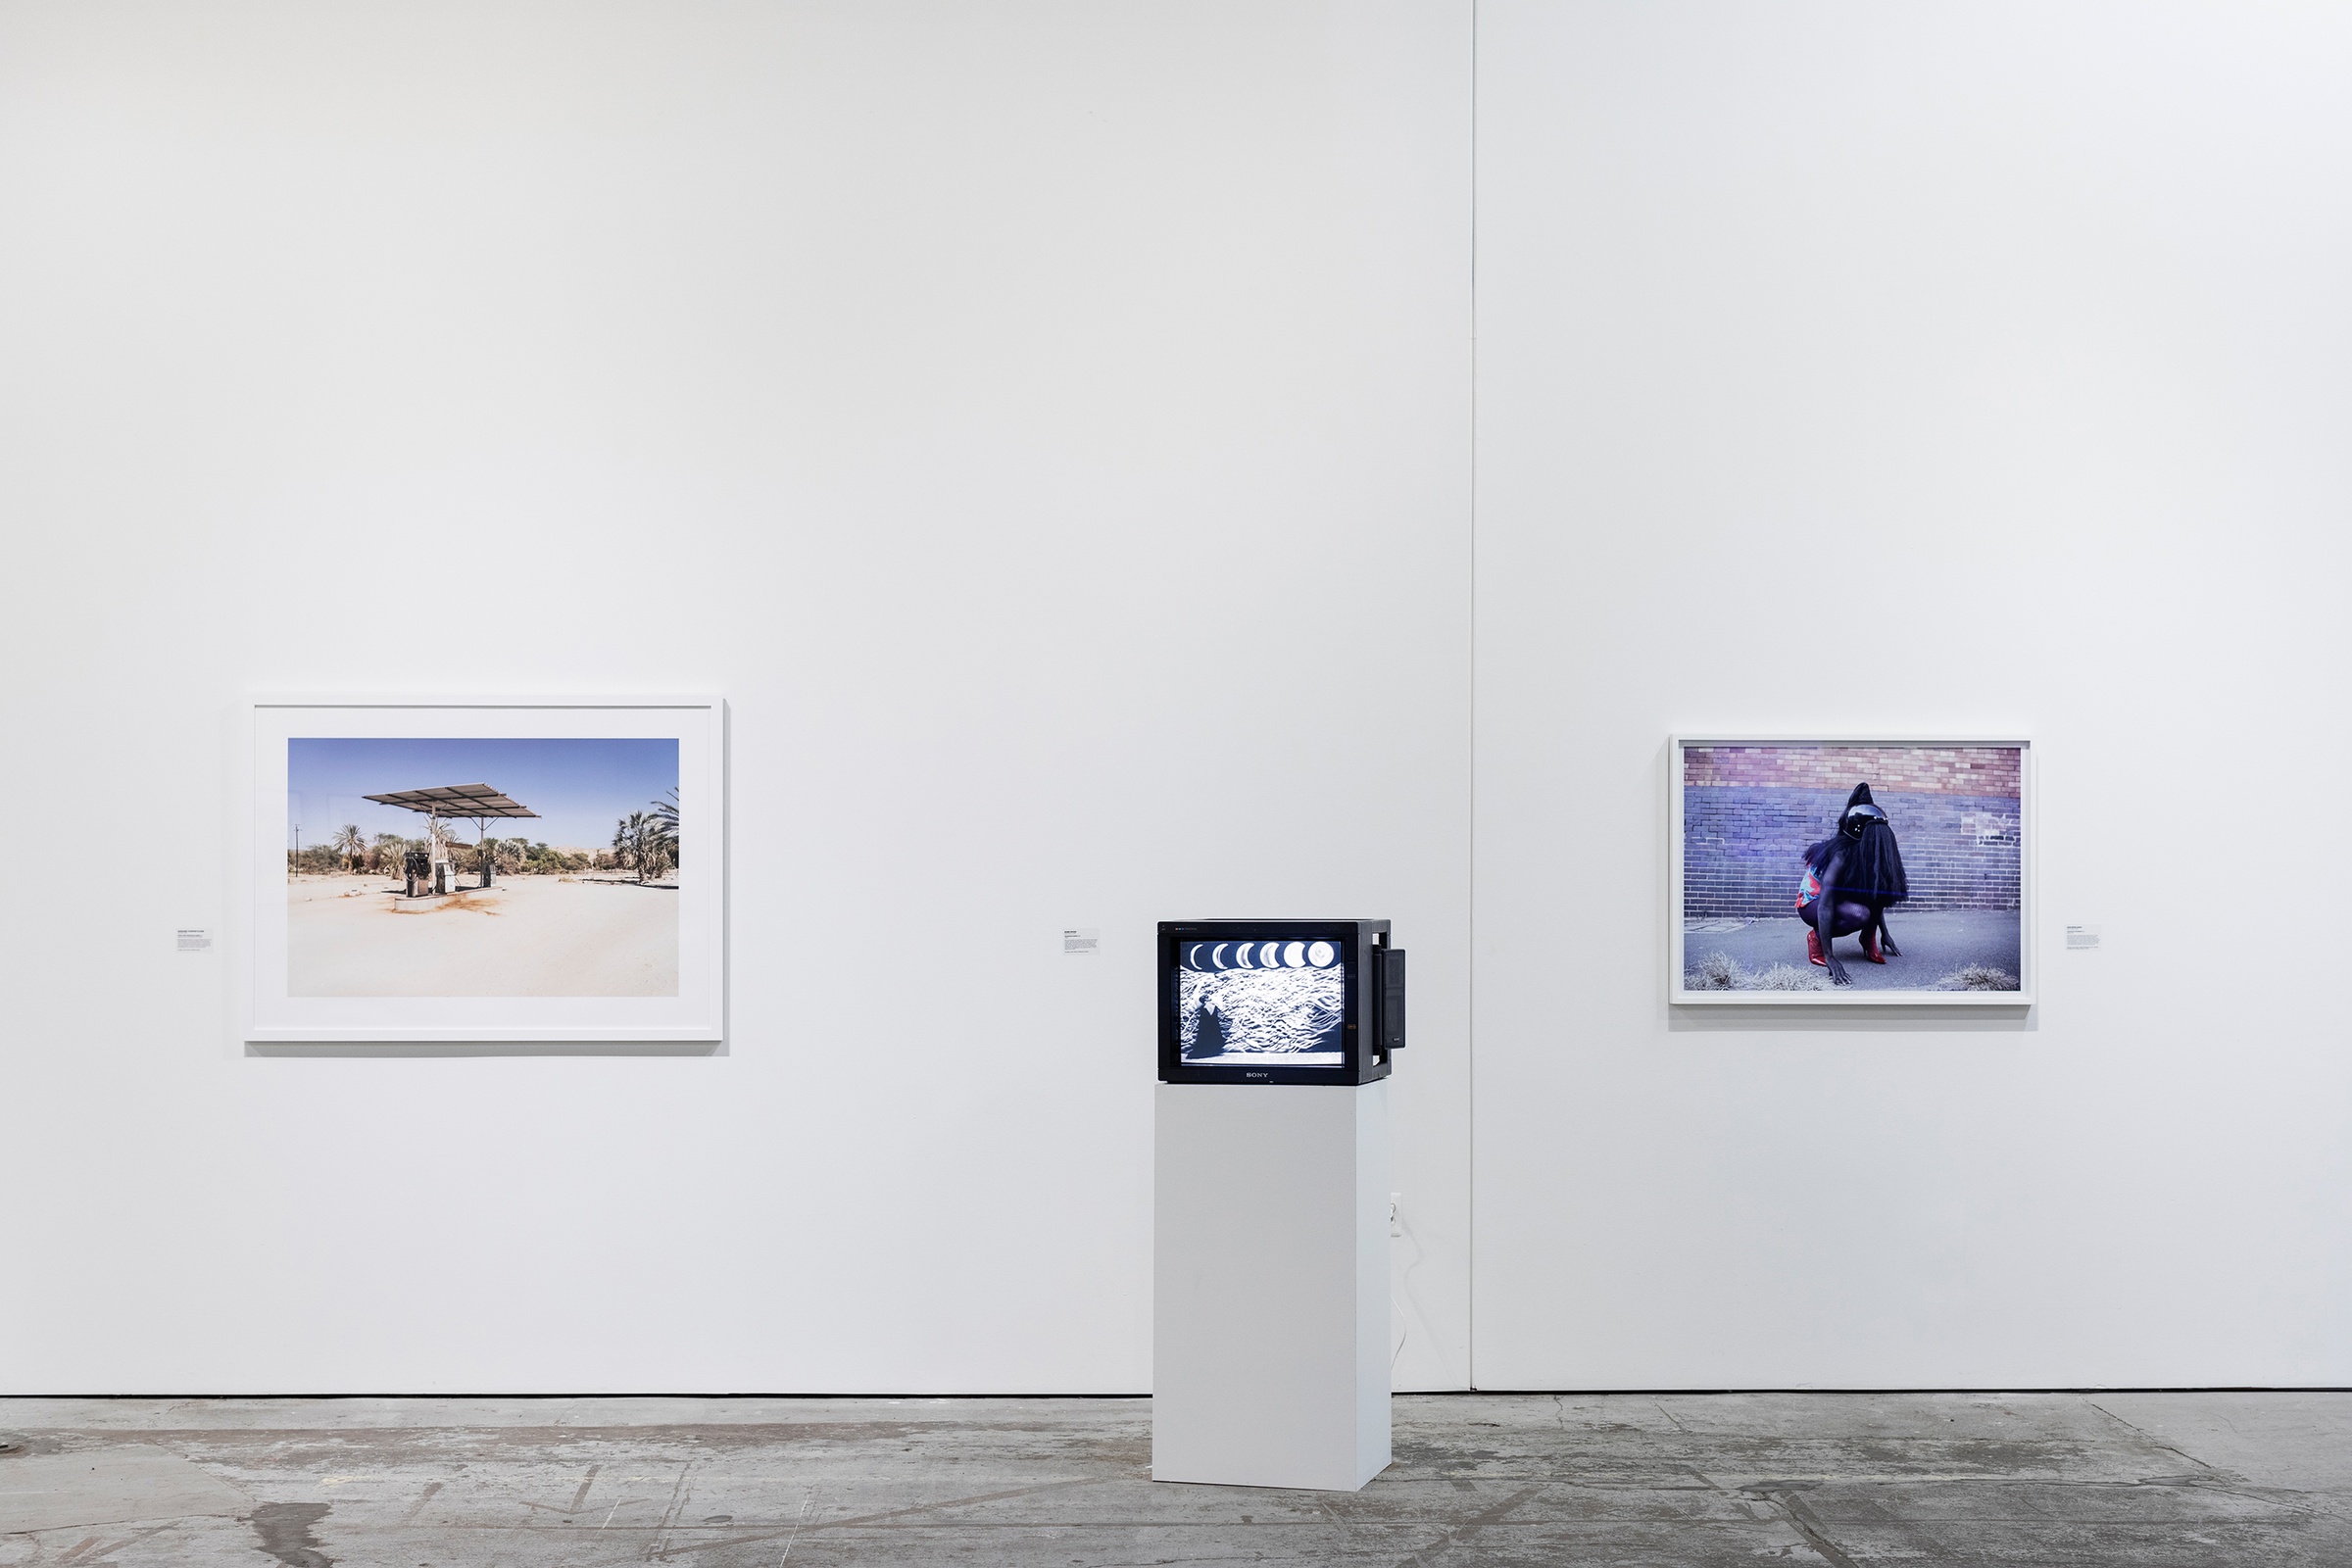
x: 1904, y: 770
x: 1749, y: 812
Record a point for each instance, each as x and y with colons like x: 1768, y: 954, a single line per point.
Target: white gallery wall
x: 1964, y: 368
x: 1051, y: 426
x: 1047, y: 424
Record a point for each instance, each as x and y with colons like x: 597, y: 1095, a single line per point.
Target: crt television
x: 1279, y: 1002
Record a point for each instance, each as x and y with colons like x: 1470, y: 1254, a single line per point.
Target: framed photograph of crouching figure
x: 512, y: 869
x: 1851, y: 872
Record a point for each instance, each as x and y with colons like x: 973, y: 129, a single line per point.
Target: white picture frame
x: 1684, y: 952
x: 273, y: 1012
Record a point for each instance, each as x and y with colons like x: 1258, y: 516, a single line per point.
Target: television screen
x: 1271, y: 1002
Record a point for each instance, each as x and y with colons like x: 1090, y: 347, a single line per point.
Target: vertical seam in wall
x: 1470, y: 964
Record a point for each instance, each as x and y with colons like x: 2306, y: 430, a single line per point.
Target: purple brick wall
x: 1742, y: 847
x: 1903, y: 769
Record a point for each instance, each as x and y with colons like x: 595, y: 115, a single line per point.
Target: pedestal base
x: 1270, y: 1292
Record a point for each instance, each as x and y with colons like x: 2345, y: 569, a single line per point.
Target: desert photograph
x: 482, y: 867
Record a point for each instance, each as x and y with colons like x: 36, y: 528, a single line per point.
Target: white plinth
x: 1270, y: 1285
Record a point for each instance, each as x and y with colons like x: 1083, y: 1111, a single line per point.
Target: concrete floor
x: 2044, y: 1480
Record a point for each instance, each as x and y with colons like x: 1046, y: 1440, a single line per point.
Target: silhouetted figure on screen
x: 1209, y: 1035
x: 1854, y: 875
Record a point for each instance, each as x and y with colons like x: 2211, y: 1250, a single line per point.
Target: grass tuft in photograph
x: 1720, y: 971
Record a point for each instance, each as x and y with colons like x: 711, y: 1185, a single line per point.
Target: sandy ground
x: 527, y: 936
x: 1934, y: 944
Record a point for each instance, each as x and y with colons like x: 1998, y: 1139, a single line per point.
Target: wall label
x: 192, y: 939
x: 1080, y: 940
x: 2081, y: 937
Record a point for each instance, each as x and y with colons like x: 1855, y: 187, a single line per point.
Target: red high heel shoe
x: 1813, y: 952
x: 1870, y: 946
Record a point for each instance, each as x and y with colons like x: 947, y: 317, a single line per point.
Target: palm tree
x: 389, y: 848
x: 642, y: 843
x: 443, y: 836
x: 665, y: 813
x: 352, y: 843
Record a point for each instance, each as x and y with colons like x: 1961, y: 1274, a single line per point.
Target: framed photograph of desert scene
x: 517, y: 869
x: 1851, y: 872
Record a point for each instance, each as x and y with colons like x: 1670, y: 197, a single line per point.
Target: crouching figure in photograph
x: 1851, y: 878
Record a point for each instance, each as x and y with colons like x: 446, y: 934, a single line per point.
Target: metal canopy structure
x: 455, y: 799
x: 475, y: 801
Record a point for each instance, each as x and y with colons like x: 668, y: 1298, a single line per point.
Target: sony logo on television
x: 1253, y: 1075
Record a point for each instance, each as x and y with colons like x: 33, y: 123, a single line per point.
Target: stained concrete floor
x: 2044, y: 1480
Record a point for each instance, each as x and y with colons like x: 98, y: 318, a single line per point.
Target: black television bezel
x: 1364, y: 1058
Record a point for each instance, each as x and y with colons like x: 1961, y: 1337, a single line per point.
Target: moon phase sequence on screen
x: 1214, y: 957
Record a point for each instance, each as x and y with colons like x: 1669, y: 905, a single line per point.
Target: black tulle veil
x: 1872, y: 869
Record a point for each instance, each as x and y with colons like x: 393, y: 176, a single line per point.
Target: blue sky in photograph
x: 578, y: 787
